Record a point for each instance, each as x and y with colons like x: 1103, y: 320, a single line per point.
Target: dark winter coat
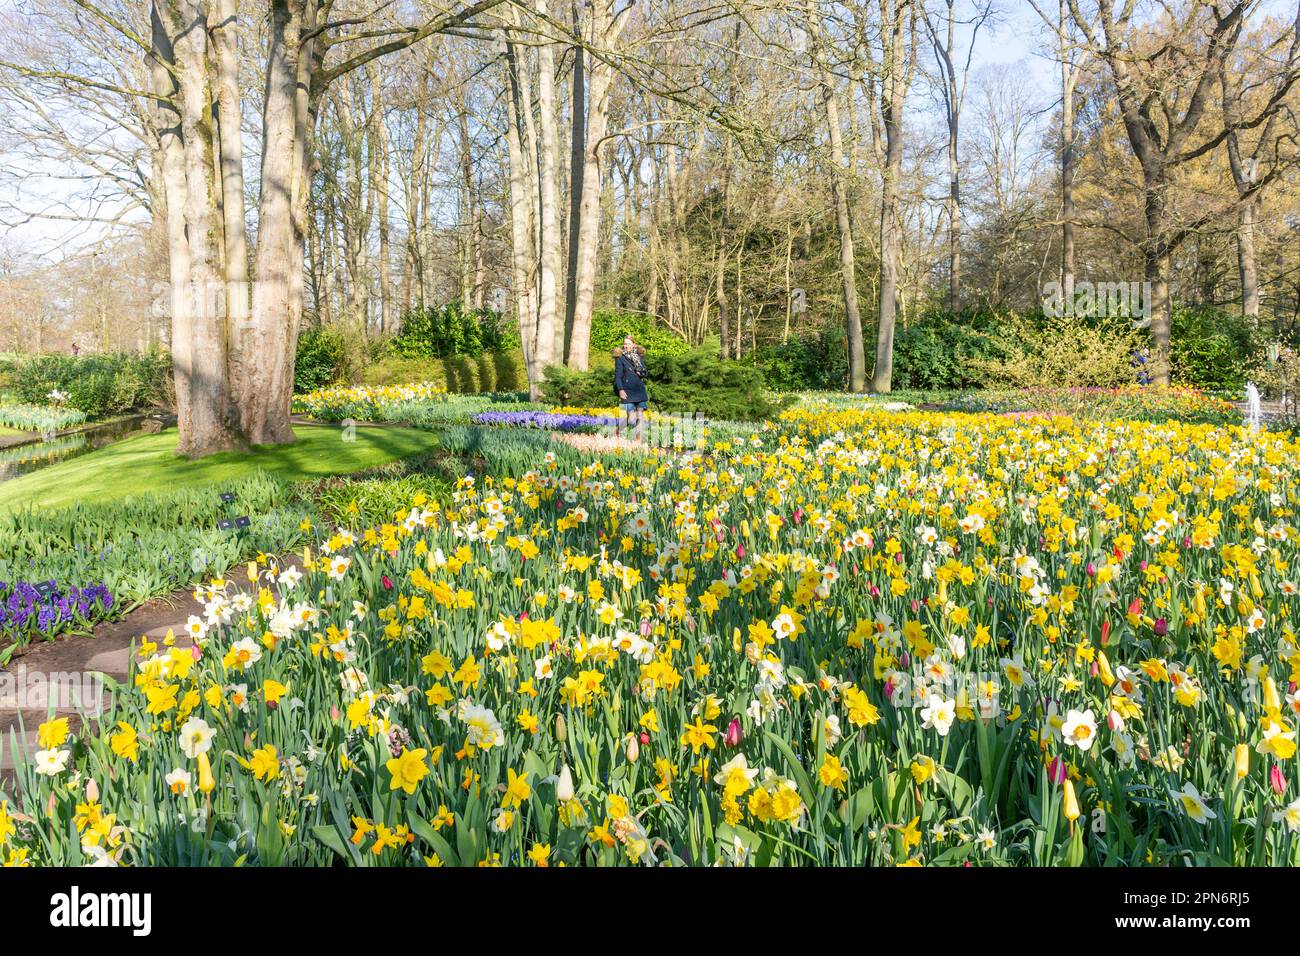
x: 629, y: 377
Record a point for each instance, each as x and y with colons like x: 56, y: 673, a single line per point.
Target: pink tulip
x: 1056, y: 771
x: 734, y: 735
x: 1276, y: 780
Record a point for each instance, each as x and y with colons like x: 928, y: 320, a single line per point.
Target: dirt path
x: 57, y: 678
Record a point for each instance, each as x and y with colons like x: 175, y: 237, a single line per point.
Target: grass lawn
x: 150, y: 463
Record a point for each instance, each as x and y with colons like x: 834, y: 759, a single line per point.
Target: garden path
x: 53, y: 678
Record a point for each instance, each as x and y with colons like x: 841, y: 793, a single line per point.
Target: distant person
x: 76, y: 349
x: 629, y: 384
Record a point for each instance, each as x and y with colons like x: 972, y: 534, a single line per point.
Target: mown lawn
x: 150, y: 463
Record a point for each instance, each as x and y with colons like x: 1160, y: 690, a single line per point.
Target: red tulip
x: 388, y: 582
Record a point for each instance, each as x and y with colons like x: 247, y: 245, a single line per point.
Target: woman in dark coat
x: 629, y: 383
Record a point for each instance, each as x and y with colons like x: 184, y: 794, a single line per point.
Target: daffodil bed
x: 851, y: 637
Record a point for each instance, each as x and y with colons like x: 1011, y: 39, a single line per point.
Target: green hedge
x: 462, y: 374
x: 609, y: 326
x: 451, y: 330
x: 698, y: 381
x: 321, y: 359
x: 1211, y: 348
x: 810, y: 361
x: 99, y: 385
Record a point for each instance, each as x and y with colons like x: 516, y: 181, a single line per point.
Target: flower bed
x: 364, y: 402
x: 546, y: 420
x: 874, y: 638
x: 1134, y: 402
x: 40, y: 418
x: 26, y: 614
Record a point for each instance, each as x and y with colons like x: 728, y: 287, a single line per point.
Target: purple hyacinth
x: 547, y: 420
x: 23, y: 611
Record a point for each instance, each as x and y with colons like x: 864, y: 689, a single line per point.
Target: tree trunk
x: 882, y: 379
x: 171, y: 151
x: 1069, y: 77
x: 1246, y: 262
x: 844, y: 226
x: 1155, y: 254
x: 954, y: 217
x: 584, y: 254
x: 521, y: 218
x: 266, y: 388
x: 209, y: 429
x: 225, y: 42
x: 577, y: 179
x: 548, y: 189
x: 379, y: 183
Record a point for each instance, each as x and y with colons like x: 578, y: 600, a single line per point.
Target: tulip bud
x: 206, y: 783
x: 734, y: 734
x: 1056, y: 771
x: 1161, y: 627
x: 561, y: 731
x: 1272, y: 704
x: 1276, y: 780
x: 1071, y: 802
x: 633, y: 749
x: 1242, y: 760
x: 564, y: 785
x: 1103, y: 669
x: 645, y: 738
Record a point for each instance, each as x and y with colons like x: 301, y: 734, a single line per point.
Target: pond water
x: 23, y: 459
